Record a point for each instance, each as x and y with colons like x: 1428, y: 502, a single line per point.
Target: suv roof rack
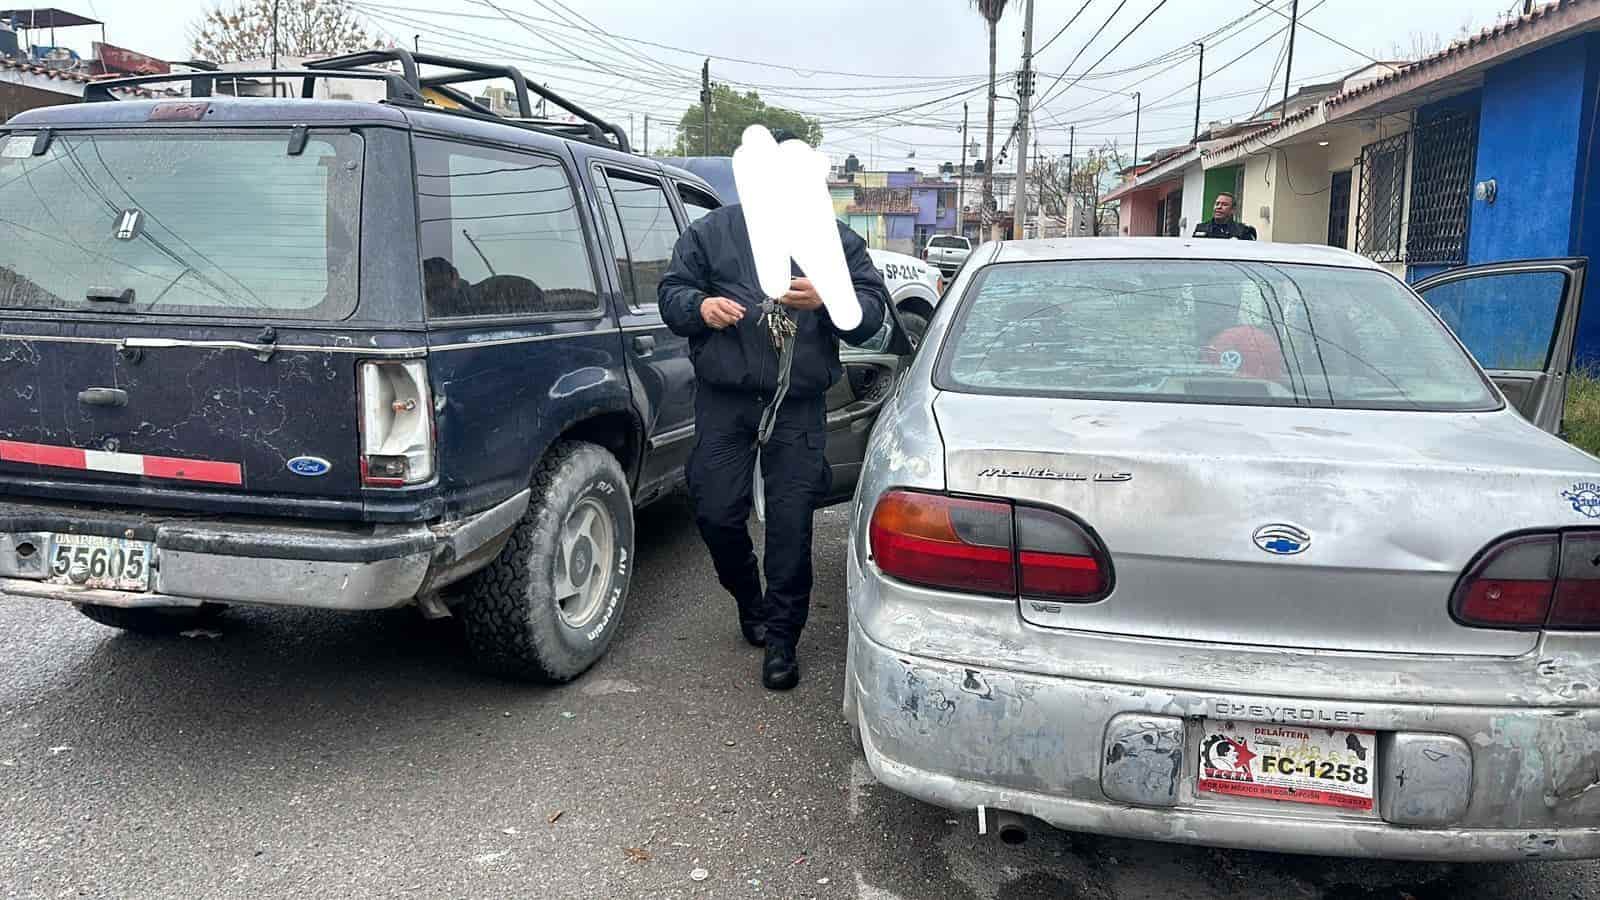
x: 406, y: 87
x: 465, y: 71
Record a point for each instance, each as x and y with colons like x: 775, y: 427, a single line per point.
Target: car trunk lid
x: 1290, y: 527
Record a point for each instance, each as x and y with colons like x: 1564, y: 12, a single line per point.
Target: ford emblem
x: 309, y: 466
x: 1282, y: 539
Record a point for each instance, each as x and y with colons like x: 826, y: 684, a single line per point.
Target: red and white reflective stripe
x: 204, y: 470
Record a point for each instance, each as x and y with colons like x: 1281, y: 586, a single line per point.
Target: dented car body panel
x: 1482, y: 743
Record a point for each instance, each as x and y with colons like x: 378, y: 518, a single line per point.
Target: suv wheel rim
x: 585, y: 563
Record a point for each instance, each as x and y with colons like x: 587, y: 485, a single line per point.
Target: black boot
x: 755, y: 634
x: 780, y: 671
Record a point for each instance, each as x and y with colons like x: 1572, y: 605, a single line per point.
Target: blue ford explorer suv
x: 346, y: 354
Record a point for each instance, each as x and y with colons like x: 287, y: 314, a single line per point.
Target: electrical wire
x: 1063, y: 30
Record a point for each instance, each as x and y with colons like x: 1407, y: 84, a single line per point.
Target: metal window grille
x: 1383, y: 196
x: 1441, y: 189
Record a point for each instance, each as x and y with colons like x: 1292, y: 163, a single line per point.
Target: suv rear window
x: 1208, y: 332
x: 193, y: 223
x: 957, y: 243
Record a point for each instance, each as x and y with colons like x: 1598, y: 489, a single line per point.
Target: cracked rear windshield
x: 1246, y: 333
x: 190, y: 223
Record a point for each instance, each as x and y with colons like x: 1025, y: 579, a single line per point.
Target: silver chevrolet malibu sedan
x: 1239, y: 544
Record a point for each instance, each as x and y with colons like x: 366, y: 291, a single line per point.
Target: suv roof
x: 412, y: 100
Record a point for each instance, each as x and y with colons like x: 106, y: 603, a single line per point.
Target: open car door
x: 1520, y: 320
x: 855, y: 401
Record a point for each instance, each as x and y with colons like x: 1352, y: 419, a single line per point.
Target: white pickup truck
x: 947, y: 252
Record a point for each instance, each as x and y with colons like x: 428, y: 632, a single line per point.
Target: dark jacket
x: 1235, y: 229
x: 712, y: 259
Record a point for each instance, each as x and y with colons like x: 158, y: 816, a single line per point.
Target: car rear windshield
x: 958, y: 243
x: 190, y: 223
x: 1201, y: 331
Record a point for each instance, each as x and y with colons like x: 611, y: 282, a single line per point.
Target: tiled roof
x: 1491, y: 41
x: 30, y: 68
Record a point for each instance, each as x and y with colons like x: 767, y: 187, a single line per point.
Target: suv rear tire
x: 152, y: 619
x: 549, y: 605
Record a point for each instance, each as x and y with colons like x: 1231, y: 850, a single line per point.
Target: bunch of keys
x: 779, y: 326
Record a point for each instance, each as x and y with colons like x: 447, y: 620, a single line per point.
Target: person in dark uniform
x: 1222, y: 223
x: 711, y: 295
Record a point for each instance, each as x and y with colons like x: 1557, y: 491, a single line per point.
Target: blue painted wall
x: 1534, y: 138
x: 1528, y: 141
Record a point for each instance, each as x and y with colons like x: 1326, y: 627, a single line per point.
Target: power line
x: 801, y: 72
x: 1321, y: 34
x: 1055, y: 118
x: 1064, y: 28
x: 1081, y: 50
x: 1131, y: 32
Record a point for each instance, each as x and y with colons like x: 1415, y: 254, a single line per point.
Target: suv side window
x: 696, y: 203
x: 500, y: 233
x: 649, y: 231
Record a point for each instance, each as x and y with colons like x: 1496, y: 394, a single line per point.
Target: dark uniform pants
x: 796, y: 478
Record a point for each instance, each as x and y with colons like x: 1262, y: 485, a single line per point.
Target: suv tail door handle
x: 644, y: 344
x: 103, y: 396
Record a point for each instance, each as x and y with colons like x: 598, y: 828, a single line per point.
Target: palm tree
x: 991, y: 10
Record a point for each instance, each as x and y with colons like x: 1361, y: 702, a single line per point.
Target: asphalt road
x: 306, y: 753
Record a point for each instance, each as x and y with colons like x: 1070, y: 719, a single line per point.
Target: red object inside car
x: 1246, y: 351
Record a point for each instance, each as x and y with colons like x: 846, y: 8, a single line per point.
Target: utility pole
x: 646, y: 134
x: 1199, y: 82
x: 961, y: 174
x: 630, y: 129
x: 416, y: 43
x: 705, y: 105
x: 1019, y: 219
x: 1138, y: 109
x: 1294, y: 18
x: 1072, y: 140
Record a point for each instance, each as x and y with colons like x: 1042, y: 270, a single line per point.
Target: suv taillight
x: 396, y: 423
x: 1533, y: 581
x: 986, y: 546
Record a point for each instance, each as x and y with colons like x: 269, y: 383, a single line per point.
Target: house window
x: 1173, y: 226
x: 1441, y: 188
x: 1383, y: 196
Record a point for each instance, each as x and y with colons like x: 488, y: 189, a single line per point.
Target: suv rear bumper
x: 271, y: 563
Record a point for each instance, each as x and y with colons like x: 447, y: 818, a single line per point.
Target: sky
x: 888, y: 80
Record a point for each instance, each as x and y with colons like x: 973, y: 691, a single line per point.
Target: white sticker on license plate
x: 100, y: 562
x: 1325, y: 766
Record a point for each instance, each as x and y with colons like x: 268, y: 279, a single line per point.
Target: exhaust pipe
x: 1010, y: 827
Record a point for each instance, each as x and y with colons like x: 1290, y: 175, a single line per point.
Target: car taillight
x: 986, y: 546
x: 1577, y: 600
x: 948, y: 542
x: 396, y: 423
x: 1057, y: 559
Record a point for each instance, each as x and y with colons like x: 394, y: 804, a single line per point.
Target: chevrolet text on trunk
x: 1235, y: 543
x: 346, y: 354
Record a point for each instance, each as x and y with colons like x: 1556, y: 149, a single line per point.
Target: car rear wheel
x: 153, y: 619
x: 549, y: 605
